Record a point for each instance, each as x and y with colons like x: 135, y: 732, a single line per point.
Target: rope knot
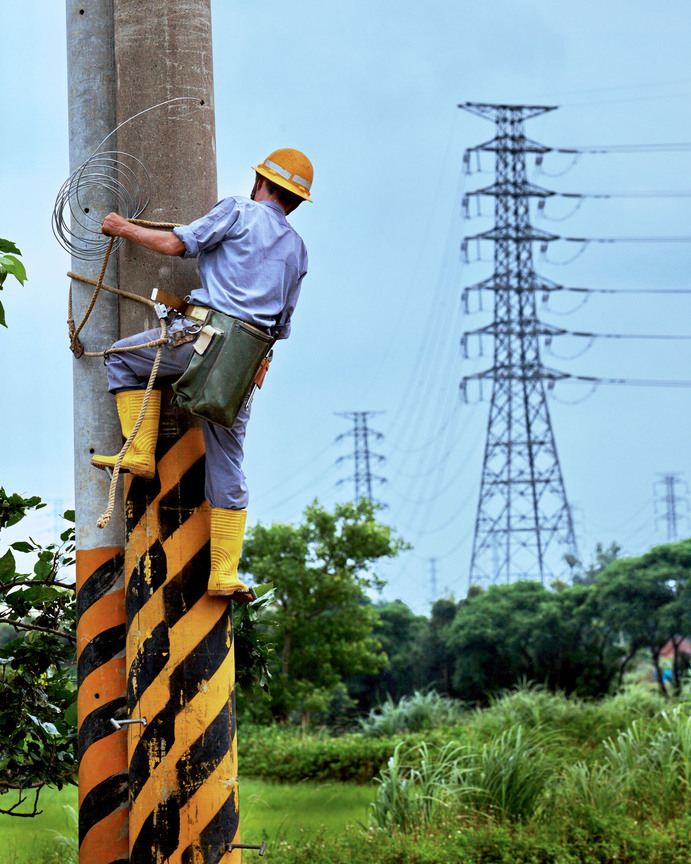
x: 76, y: 346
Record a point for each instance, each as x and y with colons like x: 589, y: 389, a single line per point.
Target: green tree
x: 438, y: 659
x: 646, y: 600
x: 524, y: 631
x: 603, y: 558
x: 38, y: 715
x: 38, y: 708
x: 321, y: 620
x: 400, y: 633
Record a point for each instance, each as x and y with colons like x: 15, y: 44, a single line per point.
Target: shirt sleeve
x: 281, y: 329
x: 206, y: 233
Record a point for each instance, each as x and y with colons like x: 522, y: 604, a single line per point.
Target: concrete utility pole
x: 103, y: 809
x: 180, y: 661
x: 175, y: 760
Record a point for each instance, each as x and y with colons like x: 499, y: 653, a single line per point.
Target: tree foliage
x: 9, y: 265
x: 321, y: 620
x: 38, y: 709
x: 579, y: 639
x: 525, y: 631
x: 647, y: 599
x: 400, y: 633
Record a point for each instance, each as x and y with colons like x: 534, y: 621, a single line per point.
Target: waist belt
x: 189, y: 310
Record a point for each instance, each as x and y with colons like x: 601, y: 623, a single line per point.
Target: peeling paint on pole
x: 183, y: 764
x: 180, y: 658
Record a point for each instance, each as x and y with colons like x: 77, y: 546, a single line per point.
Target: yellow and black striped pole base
x: 103, y: 799
x: 180, y: 665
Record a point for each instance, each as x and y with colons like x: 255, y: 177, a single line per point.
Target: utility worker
x: 251, y: 264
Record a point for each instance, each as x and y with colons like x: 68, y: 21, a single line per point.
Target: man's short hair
x: 287, y: 198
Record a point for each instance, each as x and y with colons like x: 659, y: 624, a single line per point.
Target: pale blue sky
x: 369, y: 91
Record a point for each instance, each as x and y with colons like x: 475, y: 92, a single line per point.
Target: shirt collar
x: 274, y: 205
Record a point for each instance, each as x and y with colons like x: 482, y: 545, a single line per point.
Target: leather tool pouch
x: 228, y: 354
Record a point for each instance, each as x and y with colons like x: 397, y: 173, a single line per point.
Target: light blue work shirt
x: 251, y: 262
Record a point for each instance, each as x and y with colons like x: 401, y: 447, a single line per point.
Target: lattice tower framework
x: 524, y: 524
x: 362, y: 456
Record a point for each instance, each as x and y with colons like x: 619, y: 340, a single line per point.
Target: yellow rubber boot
x: 140, y: 458
x: 227, y: 533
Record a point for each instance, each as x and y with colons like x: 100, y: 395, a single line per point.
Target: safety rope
x: 76, y: 345
x: 77, y: 349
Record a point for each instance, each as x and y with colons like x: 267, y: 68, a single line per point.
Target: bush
x: 285, y: 754
x: 580, y: 724
x: 415, y: 713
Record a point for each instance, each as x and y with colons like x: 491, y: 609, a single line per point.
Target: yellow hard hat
x: 290, y: 169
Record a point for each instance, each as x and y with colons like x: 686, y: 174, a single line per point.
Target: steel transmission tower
x: 675, y: 505
x: 524, y: 524
x: 362, y: 456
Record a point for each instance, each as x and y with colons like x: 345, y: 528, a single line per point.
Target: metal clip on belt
x: 172, y: 301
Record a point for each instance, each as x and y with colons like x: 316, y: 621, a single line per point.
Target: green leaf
x: 2, y: 310
x: 14, y: 266
x: 8, y: 246
x: 21, y: 546
x: 71, y: 714
x: 8, y: 567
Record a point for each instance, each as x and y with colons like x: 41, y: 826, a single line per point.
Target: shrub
x: 415, y: 713
x: 284, y: 754
x: 484, y: 842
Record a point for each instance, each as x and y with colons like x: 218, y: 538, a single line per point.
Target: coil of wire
x: 108, y: 181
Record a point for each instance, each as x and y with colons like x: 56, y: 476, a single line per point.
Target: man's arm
x: 164, y: 242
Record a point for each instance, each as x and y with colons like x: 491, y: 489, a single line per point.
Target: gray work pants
x: 226, y: 485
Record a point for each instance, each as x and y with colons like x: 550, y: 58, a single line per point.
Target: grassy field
x: 25, y: 840
x: 275, y: 813
x: 536, y: 778
x: 279, y: 812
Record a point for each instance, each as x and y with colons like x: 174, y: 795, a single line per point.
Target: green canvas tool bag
x: 228, y: 355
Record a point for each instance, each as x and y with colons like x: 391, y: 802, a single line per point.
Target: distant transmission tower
x: 362, y: 456
x: 433, y: 579
x: 524, y: 525
x: 676, y: 507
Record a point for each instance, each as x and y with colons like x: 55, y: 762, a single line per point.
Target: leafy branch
x: 9, y: 265
x: 38, y: 711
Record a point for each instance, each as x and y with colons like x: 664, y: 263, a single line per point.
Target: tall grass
x: 528, y: 758
x: 415, y: 713
x: 417, y: 784
x: 654, y: 764
x: 571, y: 718
x: 505, y: 779
x: 510, y: 775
